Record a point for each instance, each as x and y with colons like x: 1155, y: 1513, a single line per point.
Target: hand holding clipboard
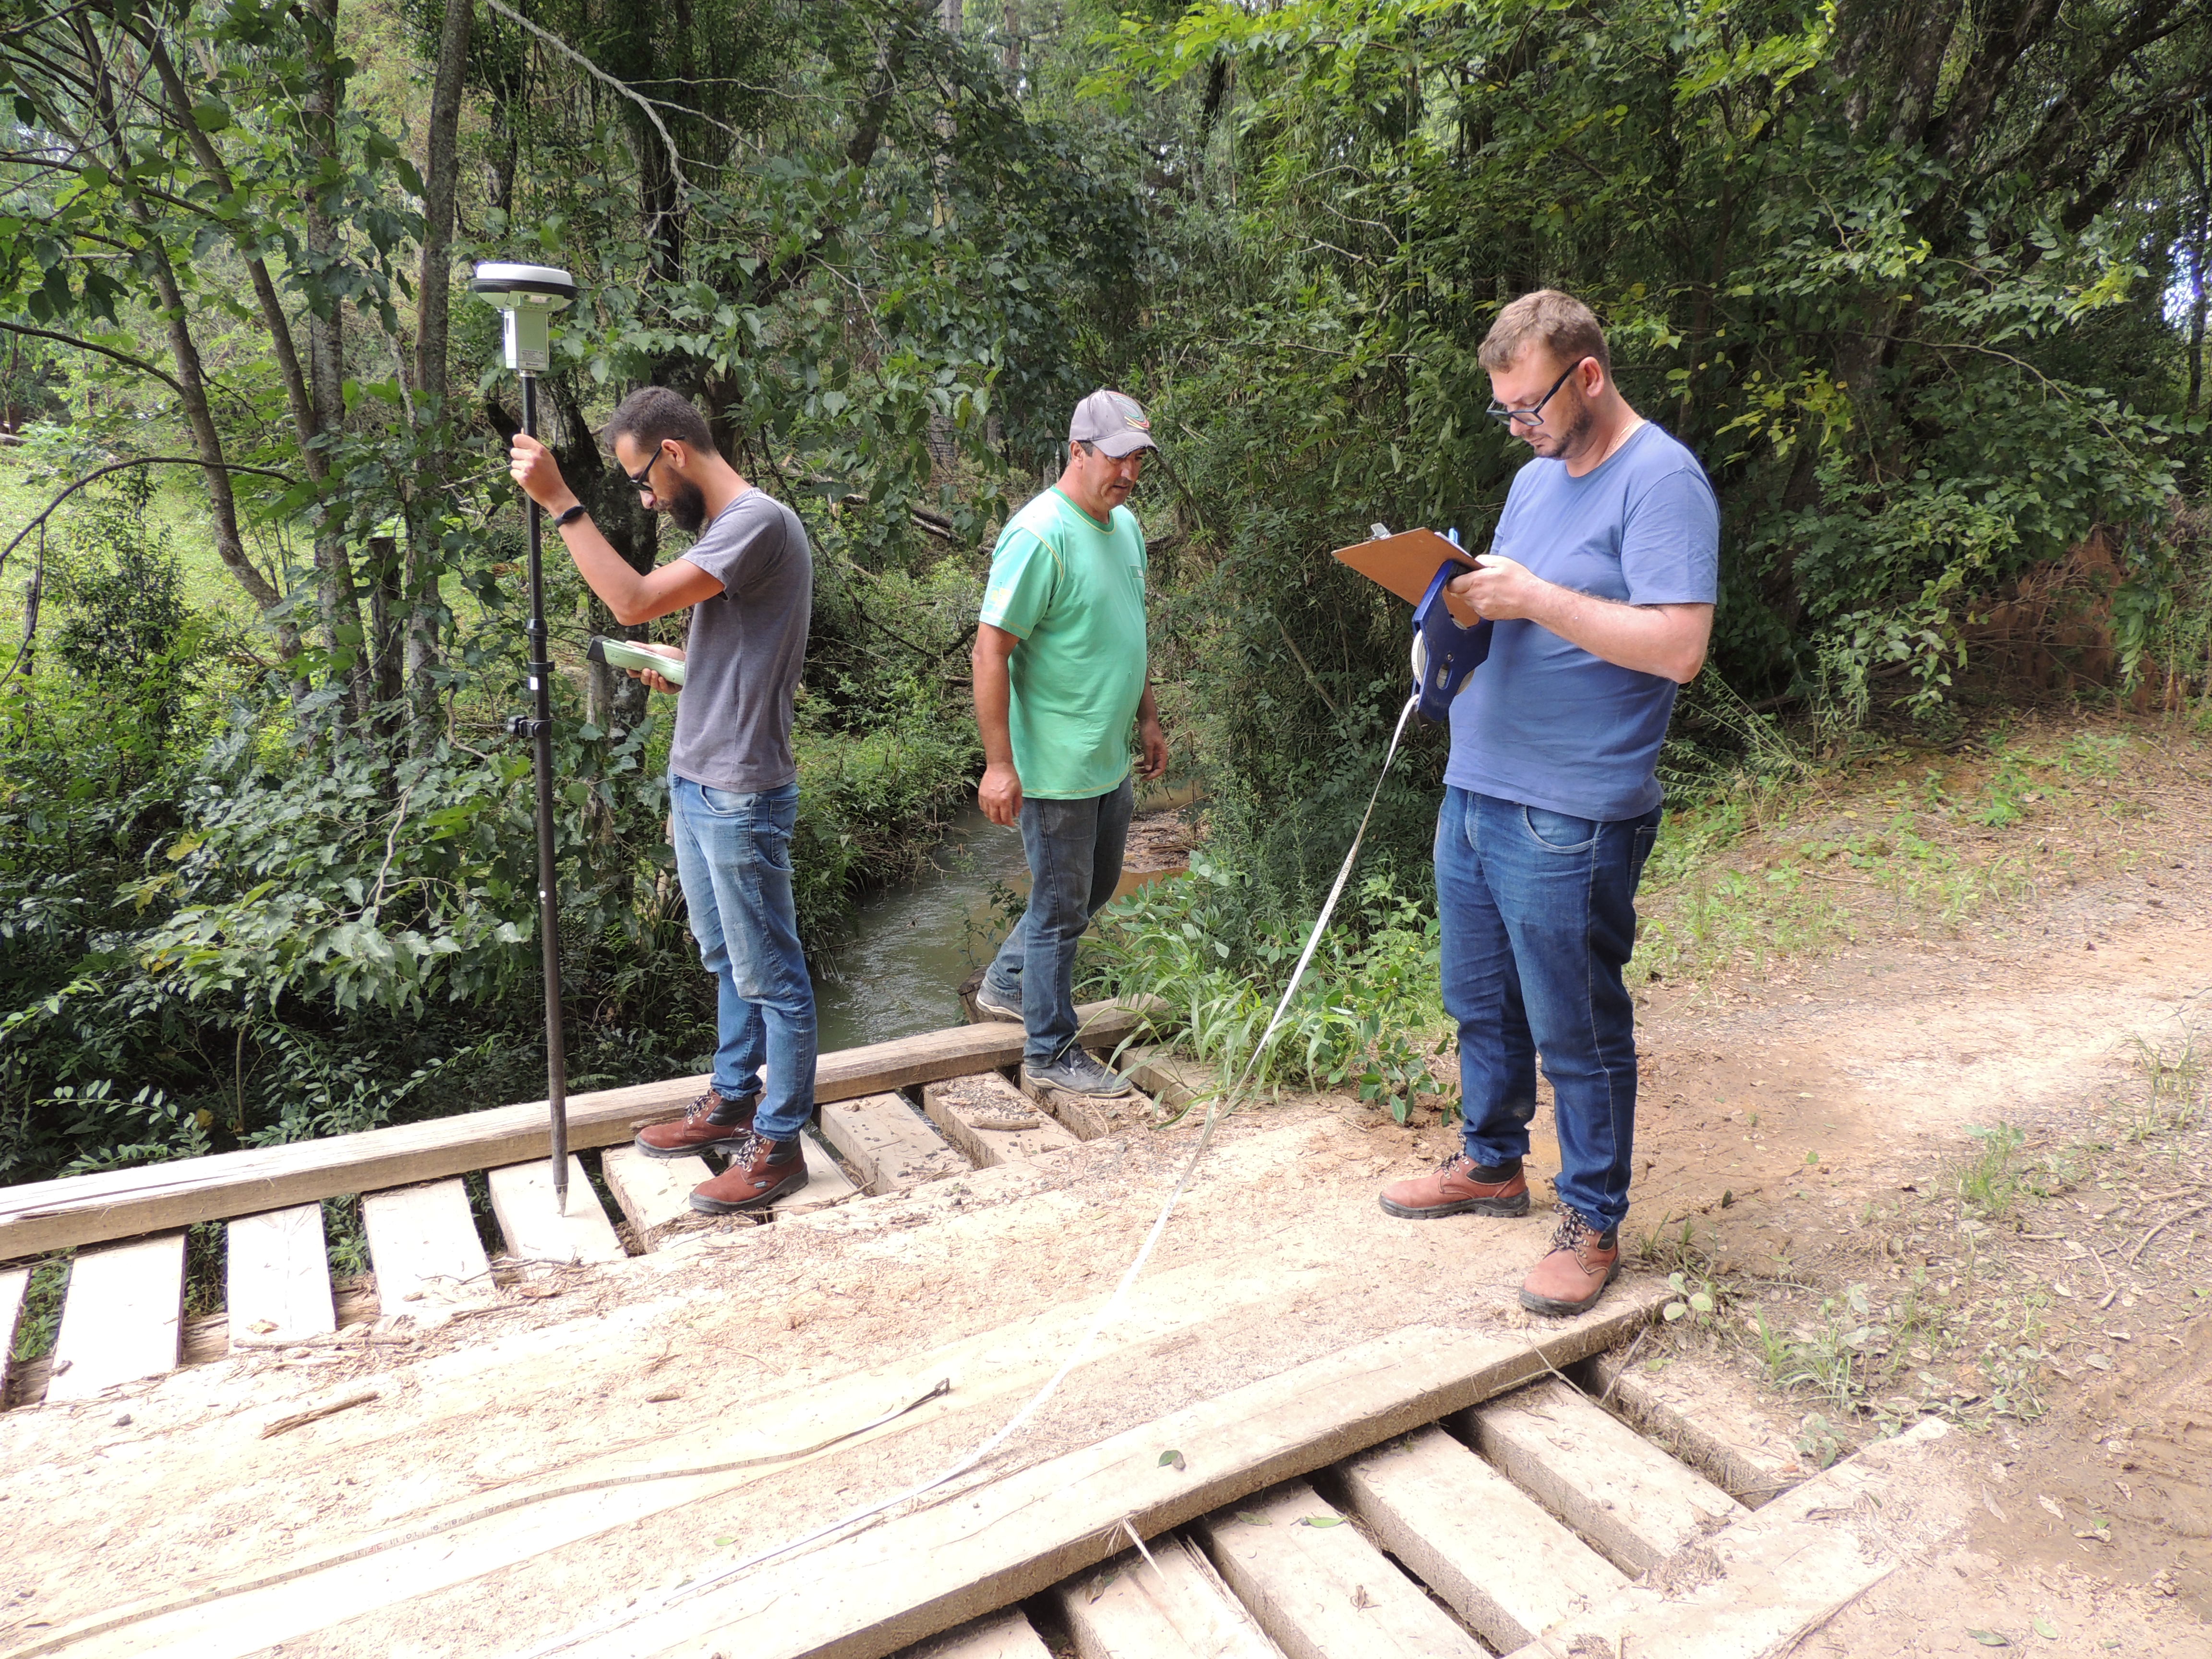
x: 1417, y: 566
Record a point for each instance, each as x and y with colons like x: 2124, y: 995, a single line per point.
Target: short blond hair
x: 1558, y: 322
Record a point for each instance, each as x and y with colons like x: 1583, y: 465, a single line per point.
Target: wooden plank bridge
x: 1439, y: 1492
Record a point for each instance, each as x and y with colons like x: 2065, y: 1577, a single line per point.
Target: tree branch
x: 123, y: 357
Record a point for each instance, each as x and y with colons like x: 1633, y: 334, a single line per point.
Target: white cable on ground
x: 1113, y: 1305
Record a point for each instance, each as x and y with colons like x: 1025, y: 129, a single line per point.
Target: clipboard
x: 1404, y: 563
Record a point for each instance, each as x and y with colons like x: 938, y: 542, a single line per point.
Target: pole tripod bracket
x: 525, y: 725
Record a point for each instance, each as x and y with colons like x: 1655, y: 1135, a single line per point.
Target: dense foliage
x: 1923, y: 285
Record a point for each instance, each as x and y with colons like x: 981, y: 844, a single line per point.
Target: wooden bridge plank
x: 890, y: 1145
x: 1475, y: 1539
x: 654, y: 1192
x: 1709, y: 1420
x: 122, y: 1317
x: 1755, y: 1589
x: 1625, y: 1495
x: 277, y: 1275
x: 952, y: 1107
x: 423, y: 1243
x: 1171, y: 1607
x: 826, y: 1184
x: 928, y: 1570
x: 1007, y: 1635
x: 41, y: 1217
x: 1325, y: 1592
x: 522, y: 1202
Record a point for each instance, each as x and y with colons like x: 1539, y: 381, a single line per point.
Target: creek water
x: 897, y: 970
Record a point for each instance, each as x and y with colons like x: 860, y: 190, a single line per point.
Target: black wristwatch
x: 570, y: 516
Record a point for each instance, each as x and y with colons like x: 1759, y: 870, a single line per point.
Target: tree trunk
x: 337, y: 600
x: 191, y: 373
x: 433, y: 289
x: 2196, y: 307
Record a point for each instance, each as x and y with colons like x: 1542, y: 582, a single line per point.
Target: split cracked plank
x: 1755, y: 1590
x: 1089, y: 1117
x: 961, y: 1106
x: 423, y: 1243
x: 277, y: 1275
x: 522, y: 1202
x: 1323, y: 1591
x: 1636, y: 1504
x: 888, y: 1143
x: 122, y: 1317
x: 1475, y: 1539
x: 41, y: 1217
x: 989, y: 1545
x: 1170, y: 1606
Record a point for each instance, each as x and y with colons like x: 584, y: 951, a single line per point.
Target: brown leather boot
x: 1582, y: 1262
x: 1458, y: 1185
x: 710, y: 1122
x: 760, y: 1172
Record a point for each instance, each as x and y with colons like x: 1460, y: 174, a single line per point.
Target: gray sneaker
x: 994, y: 1005
x: 1077, y: 1071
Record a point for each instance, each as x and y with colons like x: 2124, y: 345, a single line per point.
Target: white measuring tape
x: 1114, y: 1304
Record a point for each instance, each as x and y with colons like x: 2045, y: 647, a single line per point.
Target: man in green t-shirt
x: 1060, y: 672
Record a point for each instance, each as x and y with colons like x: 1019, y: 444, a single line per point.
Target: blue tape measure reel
x: 1450, y: 652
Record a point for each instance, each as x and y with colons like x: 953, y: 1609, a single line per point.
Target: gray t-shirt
x: 747, y: 644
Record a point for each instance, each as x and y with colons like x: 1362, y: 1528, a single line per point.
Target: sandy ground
x: 1809, y: 1118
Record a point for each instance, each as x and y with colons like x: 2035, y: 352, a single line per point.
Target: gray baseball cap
x: 1113, y: 423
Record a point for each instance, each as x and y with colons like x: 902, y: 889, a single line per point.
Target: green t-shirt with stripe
x: 1073, y: 589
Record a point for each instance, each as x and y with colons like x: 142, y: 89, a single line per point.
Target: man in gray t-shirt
x: 748, y: 581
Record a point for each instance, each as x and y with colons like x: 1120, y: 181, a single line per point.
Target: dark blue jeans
x: 733, y: 857
x: 1074, y: 849
x: 1539, y: 913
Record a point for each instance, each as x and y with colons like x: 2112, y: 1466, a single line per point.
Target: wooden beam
x: 1170, y: 1606
x: 1323, y: 1591
x: 1475, y: 1539
x: 122, y: 1317
x: 522, y: 1203
x: 826, y: 1184
x: 1636, y: 1504
x: 654, y: 1192
x: 870, y: 1594
x: 961, y: 1106
x: 422, y: 1243
x: 890, y: 1145
x: 1707, y: 1418
x: 1007, y: 1635
x: 43, y: 1216
x: 1754, y: 1590
x: 278, y: 1276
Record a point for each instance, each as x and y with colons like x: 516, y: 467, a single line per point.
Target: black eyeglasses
x: 641, y: 480
x: 1533, y: 415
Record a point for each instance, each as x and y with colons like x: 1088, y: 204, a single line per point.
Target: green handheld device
x: 621, y: 653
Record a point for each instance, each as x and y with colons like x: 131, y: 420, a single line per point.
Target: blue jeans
x: 1539, y: 913
x: 733, y: 857
x: 1074, y: 849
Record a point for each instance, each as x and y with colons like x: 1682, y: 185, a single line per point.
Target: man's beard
x: 687, y: 507
x: 1571, y: 437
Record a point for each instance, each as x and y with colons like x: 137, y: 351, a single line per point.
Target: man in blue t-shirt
x: 1600, y: 580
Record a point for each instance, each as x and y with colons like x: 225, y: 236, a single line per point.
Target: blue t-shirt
x: 1543, y: 722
